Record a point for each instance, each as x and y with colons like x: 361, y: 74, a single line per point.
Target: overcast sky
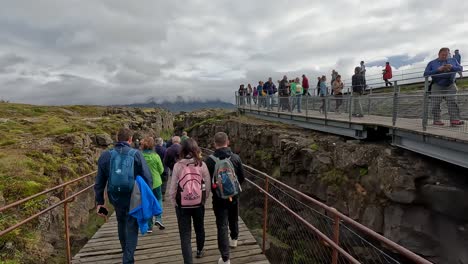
x: 122, y: 51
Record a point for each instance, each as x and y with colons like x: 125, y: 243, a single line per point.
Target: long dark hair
x: 191, y: 150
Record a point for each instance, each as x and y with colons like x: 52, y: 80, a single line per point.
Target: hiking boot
x: 456, y: 122
x: 200, y: 253
x: 438, y: 123
x: 161, y: 226
x: 233, y: 243
x: 221, y: 261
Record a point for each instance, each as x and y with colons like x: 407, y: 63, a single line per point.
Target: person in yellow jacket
x: 156, y: 167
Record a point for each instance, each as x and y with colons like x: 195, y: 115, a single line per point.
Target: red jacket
x: 388, y: 72
x: 305, y: 83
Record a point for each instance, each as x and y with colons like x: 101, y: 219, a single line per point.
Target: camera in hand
x: 103, y: 211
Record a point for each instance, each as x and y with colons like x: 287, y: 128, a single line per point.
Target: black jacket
x: 359, y: 83
x: 223, y: 153
x: 172, y: 155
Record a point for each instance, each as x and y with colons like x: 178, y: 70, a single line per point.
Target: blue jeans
x: 128, y: 233
x: 158, y: 194
x: 269, y: 101
x: 297, y: 100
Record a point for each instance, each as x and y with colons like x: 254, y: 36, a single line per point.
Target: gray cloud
x: 117, y: 52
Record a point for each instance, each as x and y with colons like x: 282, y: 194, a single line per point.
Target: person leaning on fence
x: 225, y: 201
x: 119, y: 188
x: 337, y: 87
x: 188, y: 192
x: 358, y: 83
x: 444, y: 70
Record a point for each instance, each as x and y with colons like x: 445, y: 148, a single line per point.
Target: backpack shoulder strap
x: 214, y: 158
x: 132, y: 152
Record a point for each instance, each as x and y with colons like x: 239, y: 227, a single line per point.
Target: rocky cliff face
x: 60, y: 158
x: 416, y: 201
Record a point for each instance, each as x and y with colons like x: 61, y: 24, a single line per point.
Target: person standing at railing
x: 318, y: 85
x: 119, y: 188
x: 333, y: 77
x: 156, y: 168
x: 363, y: 71
x: 255, y: 95
x: 305, y: 85
x: 444, y: 70
x: 284, y: 92
x: 249, y: 94
x: 457, y: 57
x: 296, y: 95
x: 387, y: 74
x: 226, y: 210
x: 241, y: 94
x: 268, y: 87
x: 358, y: 83
x: 261, y: 96
x: 323, y: 93
x: 337, y: 87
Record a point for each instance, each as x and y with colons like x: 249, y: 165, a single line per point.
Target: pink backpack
x: 191, y: 190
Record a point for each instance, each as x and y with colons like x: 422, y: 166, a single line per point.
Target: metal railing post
x: 325, y: 106
x: 265, y: 217
x: 67, y: 226
x: 307, y: 105
x: 336, y: 236
x: 425, y: 103
x: 395, y: 103
x: 350, y: 105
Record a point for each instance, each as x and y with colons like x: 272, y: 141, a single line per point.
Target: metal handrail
x: 65, y: 201
x: 337, y: 215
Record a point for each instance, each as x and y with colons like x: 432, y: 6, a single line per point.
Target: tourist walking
x: 457, y: 57
x: 226, y: 170
x: 444, y: 87
x: 156, y: 168
x: 119, y: 181
x: 161, y: 151
x: 387, y: 74
x: 188, y: 194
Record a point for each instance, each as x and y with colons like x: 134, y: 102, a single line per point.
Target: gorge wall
x: 43, y: 159
x: 416, y: 201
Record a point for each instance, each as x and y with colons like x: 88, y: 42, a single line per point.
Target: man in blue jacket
x: 269, y: 87
x: 457, y: 57
x: 127, y: 226
x: 443, y: 86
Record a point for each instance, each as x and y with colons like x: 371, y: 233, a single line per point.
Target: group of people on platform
x: 290, y: 92
x: 135, y: 176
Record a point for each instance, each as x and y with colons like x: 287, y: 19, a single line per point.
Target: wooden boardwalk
x: 164, y: 246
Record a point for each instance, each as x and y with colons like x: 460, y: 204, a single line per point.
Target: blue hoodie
x: 143, y: 204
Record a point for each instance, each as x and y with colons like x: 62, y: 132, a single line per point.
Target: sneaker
x: 438, y: 123
x: 161, y: 226
x: 360, y: 115
x: 456, y: 123
x: 200, y: 253
x: 233, y: 243
x: 149, y: 231
x: 221, y: 261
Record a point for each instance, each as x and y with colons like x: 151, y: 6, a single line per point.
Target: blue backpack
x: 121, y: 178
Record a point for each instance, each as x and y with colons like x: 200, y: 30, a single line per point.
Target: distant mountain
x: 185, y: 106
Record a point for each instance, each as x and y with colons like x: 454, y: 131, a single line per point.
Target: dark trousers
x: 387, y: 82
x: 227, y: 216
x: 128, y: 233
x: 184, y: 219
x: 164, y: 183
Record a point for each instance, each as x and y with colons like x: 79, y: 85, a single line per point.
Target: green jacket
x: 296, y: 89
x: 155, y: 165
x: 183, y: 138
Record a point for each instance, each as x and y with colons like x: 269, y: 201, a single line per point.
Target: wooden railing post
x: 336, y: 236
x: 67, y: 226
x: 265, y: 217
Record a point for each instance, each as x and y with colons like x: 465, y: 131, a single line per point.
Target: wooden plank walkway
x: 164, y: 246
